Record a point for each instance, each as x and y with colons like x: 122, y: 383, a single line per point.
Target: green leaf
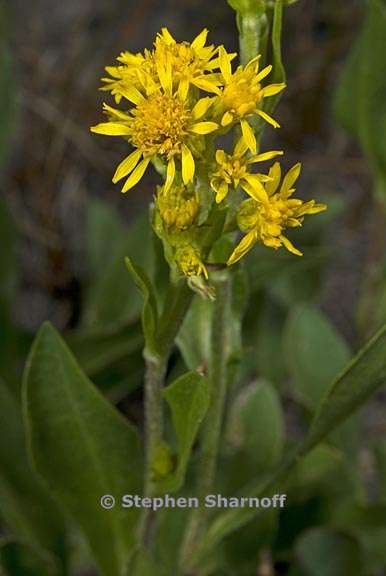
x: 25, y: 504
x: 188, y: 399
x: 314, y: 351
x: 256, y: 424
x: 360, y: 103
x: 193, y: 339
x: 362, y: 377
x: 111, y: 298
x: 82, y: 447
x: 322, y: 552
x: 355, y: 385
x: 149, y: 308
x: 318, y: 470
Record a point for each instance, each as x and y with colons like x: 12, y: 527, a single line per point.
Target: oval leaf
x: 82, y: 447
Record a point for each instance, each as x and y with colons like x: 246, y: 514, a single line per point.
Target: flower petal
x: 199, y: 41
x: 131, y: 93
x: 136, y: 175
x: 227, y: 119
x: 170, y: 174
x: 275, y: 174
x: 204, y: 127
x: 221, y: 192
x: 114, y: 112
x: 240, y: 147
x: 255, y: 188
x: 268, y: 118
x: 206, y: 85
x: 242, y: 248
x: 265, y: 156
x: 289, y: 179
x: 111, y: 129
x: 263, y: 73
x: 201, y: 107
x: 225, y: 63
x: 183, y: 89
x: 188, y: 165
x: 273, y: 89
x: 248, y: 135
x: 127, y: 165
x: 220, y: 157
x: 167, y: 36
x: 165, y: 76
x: 290, y: 247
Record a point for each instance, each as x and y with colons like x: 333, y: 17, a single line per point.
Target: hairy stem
x: 210, y: 439
x: 177, y: 303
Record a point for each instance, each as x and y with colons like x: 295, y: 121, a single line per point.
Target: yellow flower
x: 178, y: 207
x: 125, y: 75
x: 266, y: 215
x: 189, y: 261
x: 160, y: 124
x: 232, y: 169
x: 243, y: 94
x: 189, y: 63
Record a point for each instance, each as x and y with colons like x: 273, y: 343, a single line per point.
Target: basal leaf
x: 25, y: 504
x: 82, y: 447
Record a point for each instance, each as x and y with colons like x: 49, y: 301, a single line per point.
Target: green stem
x: 210, y: 439
x: 250, y: 25
x: 177, y: 303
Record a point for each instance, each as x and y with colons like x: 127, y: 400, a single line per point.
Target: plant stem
x: 177, y: 303
x: 210, y: 440
x: 250, y: 27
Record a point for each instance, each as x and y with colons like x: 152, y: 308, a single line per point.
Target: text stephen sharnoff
x: 209, y: 501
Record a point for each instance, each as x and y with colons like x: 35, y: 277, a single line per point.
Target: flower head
x: 242, y: 95
x: 265, y: 216
x: 160, y: 124
x: 189, y: 64
x: 232, y: 169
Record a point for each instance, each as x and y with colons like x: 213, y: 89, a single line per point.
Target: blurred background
x: 63, y: 224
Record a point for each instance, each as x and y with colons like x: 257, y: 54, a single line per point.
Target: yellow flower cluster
x: 176, y: 100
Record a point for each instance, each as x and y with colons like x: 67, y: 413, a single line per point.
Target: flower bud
x: 178, y: 207
x: 189, y: 261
